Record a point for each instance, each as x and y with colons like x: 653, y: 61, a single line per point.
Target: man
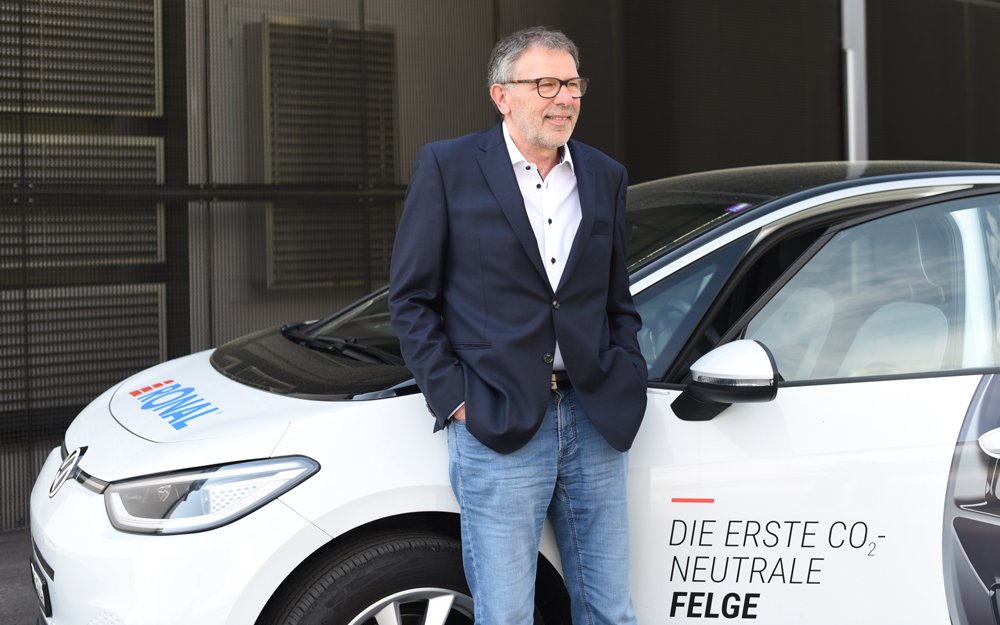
x: 509, y: 293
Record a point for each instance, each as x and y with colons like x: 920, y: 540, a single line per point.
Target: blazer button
x: 555, y: 304
x: 547, y: 359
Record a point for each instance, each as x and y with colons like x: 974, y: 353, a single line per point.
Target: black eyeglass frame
x: 562, y: 83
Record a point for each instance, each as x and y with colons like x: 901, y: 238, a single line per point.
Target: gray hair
x: 509, y: 49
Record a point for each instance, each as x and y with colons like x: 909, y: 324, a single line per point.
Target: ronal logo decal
x: 175, y: 403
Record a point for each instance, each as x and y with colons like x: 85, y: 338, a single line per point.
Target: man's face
x: 543, y: 123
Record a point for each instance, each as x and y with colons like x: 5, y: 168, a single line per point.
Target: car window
x: 671, y: 308
x: 755, y: 274
x: 991, y: 235
x: 913, y: 292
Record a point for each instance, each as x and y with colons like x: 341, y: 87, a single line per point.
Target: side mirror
x: 990, y: 443
x: 738, y: 372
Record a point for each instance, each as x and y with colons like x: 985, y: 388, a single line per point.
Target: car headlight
x: 202, y: 499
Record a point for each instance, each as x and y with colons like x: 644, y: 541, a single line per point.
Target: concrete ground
x: 18, y: 605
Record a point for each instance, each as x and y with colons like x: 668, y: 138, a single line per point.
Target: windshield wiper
x: 343, y: 346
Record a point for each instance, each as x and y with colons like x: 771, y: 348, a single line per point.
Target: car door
x: 862, y: 492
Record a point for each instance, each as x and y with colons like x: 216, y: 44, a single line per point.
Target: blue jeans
x: 567, y: 471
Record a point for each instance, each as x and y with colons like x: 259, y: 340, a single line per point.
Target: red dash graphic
x: 146, y: 389
x: 692, y: 500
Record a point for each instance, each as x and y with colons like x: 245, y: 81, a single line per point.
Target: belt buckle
x: 558, y: 377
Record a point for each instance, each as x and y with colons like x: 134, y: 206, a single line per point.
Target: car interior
x: 881, y: 298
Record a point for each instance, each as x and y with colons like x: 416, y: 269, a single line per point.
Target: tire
x: 418, y: 576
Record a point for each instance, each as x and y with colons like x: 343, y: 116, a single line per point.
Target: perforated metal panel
x: 71, y: 343
x: 20, y: 462
x: 334, y: 246
x: 80, y: 302
x: 63, y: 345
x: 81, y: 159
x: 81, y: 56
x: 76, y: 233
x: 328, y: 101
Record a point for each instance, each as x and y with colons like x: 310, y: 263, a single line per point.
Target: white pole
x: 855, y: 78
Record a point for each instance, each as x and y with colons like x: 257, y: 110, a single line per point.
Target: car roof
x: 765, y: 182
x: 668, y: 214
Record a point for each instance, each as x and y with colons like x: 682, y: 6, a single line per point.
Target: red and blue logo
x: 178, y: 405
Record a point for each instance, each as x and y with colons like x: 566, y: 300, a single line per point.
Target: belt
x: 560, y: 380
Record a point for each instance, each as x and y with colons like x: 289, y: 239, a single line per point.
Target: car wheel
x: 399, y: 579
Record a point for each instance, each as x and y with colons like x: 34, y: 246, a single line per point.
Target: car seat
x: 908, y: 329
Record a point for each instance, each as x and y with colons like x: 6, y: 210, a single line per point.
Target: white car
x: 820, y: 443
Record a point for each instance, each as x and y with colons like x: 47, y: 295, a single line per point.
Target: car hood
x: 187, y: 400
x: 185, y: 414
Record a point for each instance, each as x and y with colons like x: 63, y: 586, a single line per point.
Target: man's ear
x: 499, y: 96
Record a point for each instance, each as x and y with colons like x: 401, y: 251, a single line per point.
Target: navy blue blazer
x: 474, y: 310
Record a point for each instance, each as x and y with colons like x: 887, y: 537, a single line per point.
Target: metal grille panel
x: 68, y: 233
x: 62, y: 159
x: 81, y: 56
x: 329, y: 104
x: 20, y: 463
x: 64, y: 346
x: 337, y: 246
x: 329, y: 98
x: 81, y: 235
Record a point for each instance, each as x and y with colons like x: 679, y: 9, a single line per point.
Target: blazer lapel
x: 585, y: 186
x: 494, y: 161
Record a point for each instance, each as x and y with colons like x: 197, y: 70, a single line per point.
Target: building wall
x: 110, y: 265
x: 713, y: 84
x: 932, y: 79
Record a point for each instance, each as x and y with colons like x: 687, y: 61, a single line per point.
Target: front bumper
x: 96, y: 574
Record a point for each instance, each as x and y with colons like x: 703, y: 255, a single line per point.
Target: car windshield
x: 365, y: 322
x: 659, y: 218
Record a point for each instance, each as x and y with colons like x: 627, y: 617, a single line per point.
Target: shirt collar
x: 516, y: 158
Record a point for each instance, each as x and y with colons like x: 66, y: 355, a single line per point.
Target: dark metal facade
x: 177, y: 173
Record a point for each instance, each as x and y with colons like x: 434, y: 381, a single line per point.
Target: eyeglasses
x: 550, y: 87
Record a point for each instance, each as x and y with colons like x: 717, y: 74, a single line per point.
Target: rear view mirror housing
x: 743, y: 371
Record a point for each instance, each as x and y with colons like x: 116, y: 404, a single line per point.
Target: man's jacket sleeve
x: 623, y: 319
x: 417, y: 285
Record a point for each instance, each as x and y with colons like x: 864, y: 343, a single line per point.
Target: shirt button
x: 528, y: 167
x: 552, y: 260
x: 547, y: 359
x: 538, y: 186
x: 550, y: 221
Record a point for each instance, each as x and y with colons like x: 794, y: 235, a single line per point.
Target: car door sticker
x: 971, y: 529
x: 765, y: 553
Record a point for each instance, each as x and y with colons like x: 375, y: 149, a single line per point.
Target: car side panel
x: 823, y: 506
x: 393, y: 465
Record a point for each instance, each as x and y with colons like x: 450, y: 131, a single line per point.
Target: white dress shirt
x: 553, y: 207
